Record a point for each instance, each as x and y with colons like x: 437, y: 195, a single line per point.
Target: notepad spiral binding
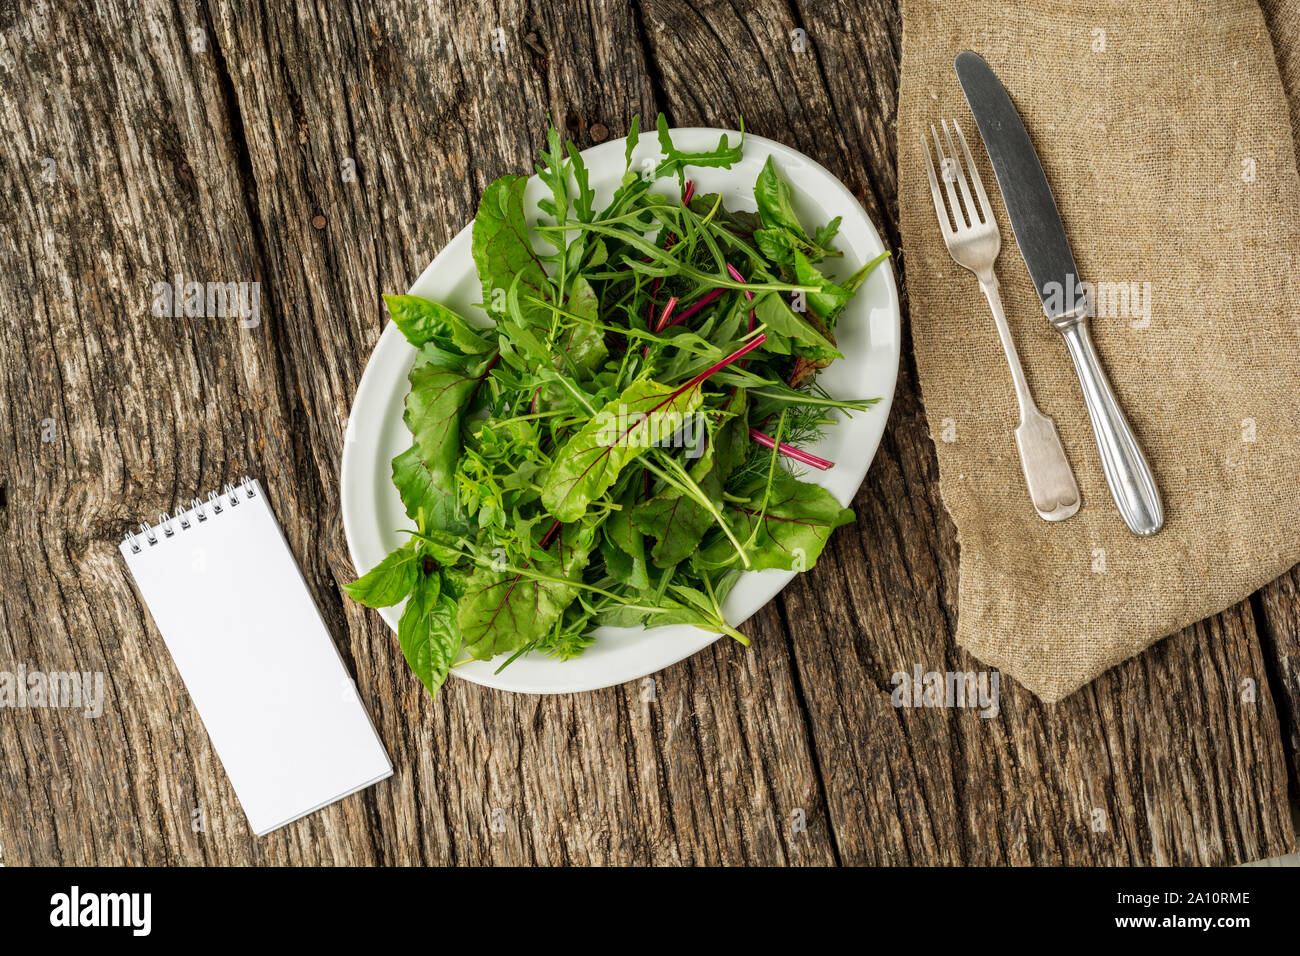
x: 198, y: 511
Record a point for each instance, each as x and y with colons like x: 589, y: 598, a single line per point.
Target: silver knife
x: 1041, y: 237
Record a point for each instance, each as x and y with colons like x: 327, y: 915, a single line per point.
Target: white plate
x: 868, y: 334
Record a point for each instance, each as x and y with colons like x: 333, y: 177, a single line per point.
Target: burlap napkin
x: 1164, y: 130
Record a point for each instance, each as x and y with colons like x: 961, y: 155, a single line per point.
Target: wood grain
x: 217, y: 142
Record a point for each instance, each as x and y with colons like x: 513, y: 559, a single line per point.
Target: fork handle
x: 989, y: 283
x: 1048, y: 475
x: 1131, y: 483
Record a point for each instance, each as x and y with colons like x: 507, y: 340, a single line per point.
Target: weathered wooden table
x: 328, y: 152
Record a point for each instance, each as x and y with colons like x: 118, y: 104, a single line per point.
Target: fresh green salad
x: 624, y: 440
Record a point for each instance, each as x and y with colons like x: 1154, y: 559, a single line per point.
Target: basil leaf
x: 428, y: 634
x: 829, y: 299
x: 777, y: 244
x: 423, y: 321
x: 772, y: 194
x: 388, y: 581
x: 783, y: 233
x: 788, y: 333
x: 455, y: 580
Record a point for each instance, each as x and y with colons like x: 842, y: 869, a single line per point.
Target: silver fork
x: 973, y: 241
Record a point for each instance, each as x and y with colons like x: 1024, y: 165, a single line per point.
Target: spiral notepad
x: 249, y: 643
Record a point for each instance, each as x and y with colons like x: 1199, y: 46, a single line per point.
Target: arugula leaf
x: 423, y: 321
x: 427, y: 632
x: 853, y: 282
x: 583, y: 202
x: 555, y: 174
x: 790, y: 533
x: 633, y: 136
x: 388, y: 581
x: 823, y: 235
x: 675, y: 161
x: 590, y: 462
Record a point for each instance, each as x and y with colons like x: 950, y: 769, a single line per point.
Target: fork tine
x: 957, y: 218
x: 986, y: 211
x: 945, y: 226
x: 961, y: 177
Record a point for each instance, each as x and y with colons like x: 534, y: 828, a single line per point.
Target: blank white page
x: 253, y: 651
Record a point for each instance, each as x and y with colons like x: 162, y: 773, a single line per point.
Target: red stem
x: 767, y: 441
x: 698, y: 304
x: 689, y: 192
x: 663, y: 316
x: 738, y: 354
x: 735, y: 274
x: 546, y: 538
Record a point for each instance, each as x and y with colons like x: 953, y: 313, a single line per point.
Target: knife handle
x: 1127, y: 472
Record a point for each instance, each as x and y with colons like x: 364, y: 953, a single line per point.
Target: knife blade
x: 1040, y: 234
x: 1035, y: 220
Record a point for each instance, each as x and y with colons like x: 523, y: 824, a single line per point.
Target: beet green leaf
x: 789, y: 533
x: 590, y: 462
x: 507, y: 609
x: 421, y: 492
x: 442, y: 388
x: 503, y: 251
